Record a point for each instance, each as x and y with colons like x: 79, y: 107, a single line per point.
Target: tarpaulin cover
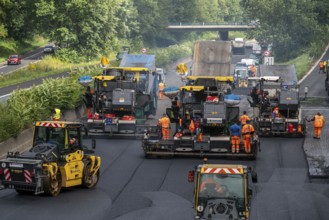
x: 85, y: 80
x: 232, y: 99
x: 138, y: 60
x: 171, y: 92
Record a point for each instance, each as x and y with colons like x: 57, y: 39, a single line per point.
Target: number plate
x: 121, y: 100
x: 17, y: 165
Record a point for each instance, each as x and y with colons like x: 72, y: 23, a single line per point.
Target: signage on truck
x: 269, y: 60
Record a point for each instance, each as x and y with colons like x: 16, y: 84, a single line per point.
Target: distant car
x: 14, y: 59
x: 49, y: 49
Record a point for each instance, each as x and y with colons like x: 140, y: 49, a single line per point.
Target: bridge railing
x: 209, y: 23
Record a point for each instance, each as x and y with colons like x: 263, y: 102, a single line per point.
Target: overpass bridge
x: 222, y: 28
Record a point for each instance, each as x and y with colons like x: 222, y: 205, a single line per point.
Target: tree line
x: 98, y: 26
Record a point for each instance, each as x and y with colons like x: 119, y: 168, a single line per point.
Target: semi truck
x: 212, y: 58
x: 57, y: 159
x: 279, y: 110
x: 222, y: 191
x: 124, y: 97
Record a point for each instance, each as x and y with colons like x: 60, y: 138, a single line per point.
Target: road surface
x: 132, y: 187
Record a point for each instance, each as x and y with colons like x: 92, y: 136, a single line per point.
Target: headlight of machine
x: 199, y: 208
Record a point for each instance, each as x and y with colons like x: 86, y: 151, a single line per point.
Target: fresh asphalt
x: 132, y: 187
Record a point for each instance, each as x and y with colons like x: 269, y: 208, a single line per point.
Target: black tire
x: 52, y: 188
x: 89, y: 180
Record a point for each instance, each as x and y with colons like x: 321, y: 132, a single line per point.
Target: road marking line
x: 4, y: 96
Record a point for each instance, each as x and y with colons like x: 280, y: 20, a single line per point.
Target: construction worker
x: 235, y: 137
x: 191, y: 127
x: 161, y: 88
x: 210, y: 181
x: 253, y: 70
x: 57, y: 114
x: 164, y: 122
x: 275, y: 113
x: 254, y: 93
x: 325, y: 66
x: 321, y: 65
x: 247, y: 132
x: 88, y: 100
x: 175, y: 106
x: 318, y: 123
x: 244, y: 118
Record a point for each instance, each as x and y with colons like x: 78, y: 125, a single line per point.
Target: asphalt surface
x: 132, y: 187
x: 316, y: 151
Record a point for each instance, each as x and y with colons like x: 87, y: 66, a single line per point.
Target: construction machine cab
x: 222, y: 191
x: 64, y: 137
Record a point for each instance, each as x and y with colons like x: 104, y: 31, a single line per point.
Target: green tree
x: 294, y: 27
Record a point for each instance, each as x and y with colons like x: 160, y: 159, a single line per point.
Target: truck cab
x: 222, y: 191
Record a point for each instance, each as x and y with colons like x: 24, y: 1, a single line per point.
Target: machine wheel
x: 89, y: 180
x: 53, y: 187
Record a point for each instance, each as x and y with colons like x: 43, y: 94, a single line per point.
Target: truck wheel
x: 89, y: 180
x: 53, y: 187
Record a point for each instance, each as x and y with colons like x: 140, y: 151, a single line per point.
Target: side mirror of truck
x: 93, y: 143
x: 190, y: 177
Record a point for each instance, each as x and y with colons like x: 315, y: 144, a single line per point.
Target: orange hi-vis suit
x: 318, y: 125
x: 165, y: 122
x: 244, y: 118
x: 218, y: 187
x: 247, y: 130
x: 161, y: 88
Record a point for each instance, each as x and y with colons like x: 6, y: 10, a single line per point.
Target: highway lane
x: 132, y: 187
x: 5, y: 69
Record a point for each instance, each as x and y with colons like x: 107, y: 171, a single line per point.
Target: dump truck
x: 124, y: 97
x: 57, y: 159
x: 238, y: 46
x: 203, y: 101
x: 212, y: 58
x: 278, y: 110
x: 222, y: 191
